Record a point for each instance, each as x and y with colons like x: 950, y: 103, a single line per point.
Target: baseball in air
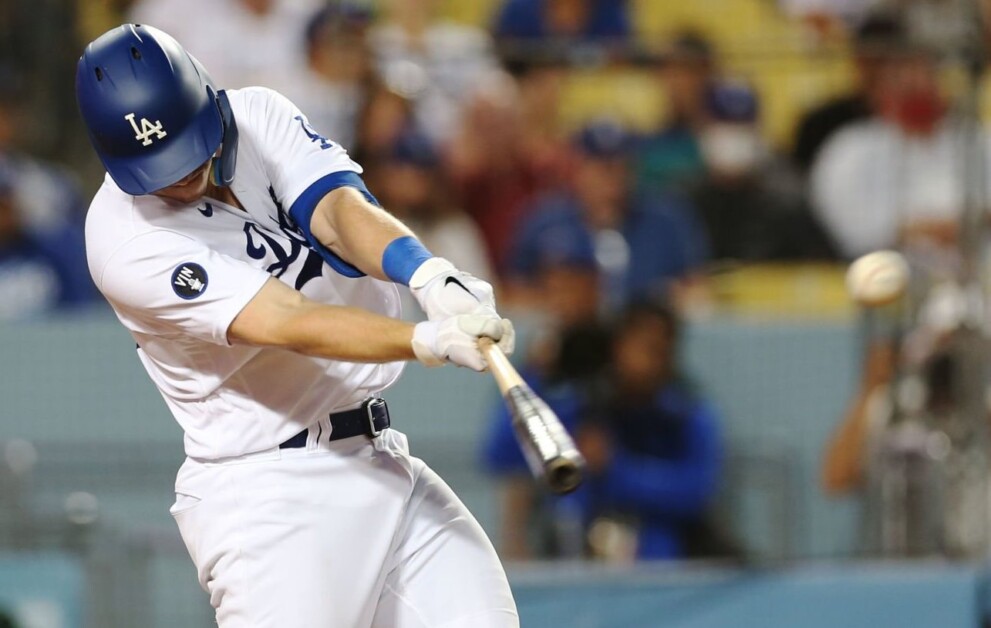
x: 878, y: 278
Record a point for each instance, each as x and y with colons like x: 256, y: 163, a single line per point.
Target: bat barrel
x: 546, y: 444
x: 548, y: 448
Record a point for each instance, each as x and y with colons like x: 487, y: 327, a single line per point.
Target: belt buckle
x: 370, y: 405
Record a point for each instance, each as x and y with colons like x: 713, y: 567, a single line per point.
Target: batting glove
x: 443, y: 291
x: 455, y: 339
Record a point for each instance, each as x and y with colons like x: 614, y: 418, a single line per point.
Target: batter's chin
x: 188, y: 192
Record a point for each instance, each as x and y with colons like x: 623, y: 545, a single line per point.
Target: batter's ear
x: 224, y: 166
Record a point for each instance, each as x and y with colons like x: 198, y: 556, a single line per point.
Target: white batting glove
x: 455, y: 339
x: 444, y: 291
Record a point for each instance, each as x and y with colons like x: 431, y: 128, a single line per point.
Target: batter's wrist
x: 429, y: 269
x: 424, y: 343
x: 403, y: 257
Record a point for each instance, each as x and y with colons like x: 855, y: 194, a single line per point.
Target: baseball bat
x: 548, y: 448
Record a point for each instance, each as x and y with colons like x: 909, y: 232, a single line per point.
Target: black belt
x: 368, y: 420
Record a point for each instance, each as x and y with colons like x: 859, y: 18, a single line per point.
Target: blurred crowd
x: 602, y: 233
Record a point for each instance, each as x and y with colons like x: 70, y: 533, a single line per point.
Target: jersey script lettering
x: 312, y: 134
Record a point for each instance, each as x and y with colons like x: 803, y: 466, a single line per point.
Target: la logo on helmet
x: 147, y: 129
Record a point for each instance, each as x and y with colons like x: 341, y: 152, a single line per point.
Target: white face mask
x: 731, y: 148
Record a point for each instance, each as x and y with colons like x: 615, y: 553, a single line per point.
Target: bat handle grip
x: 502, y: 370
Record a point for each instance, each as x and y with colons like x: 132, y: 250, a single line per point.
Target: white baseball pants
x: 354, y: 533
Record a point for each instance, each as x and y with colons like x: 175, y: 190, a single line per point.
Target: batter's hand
x: 455, y: 339
x: 444, y: 291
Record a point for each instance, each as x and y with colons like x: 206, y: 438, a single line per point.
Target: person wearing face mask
x: 899, y: 179
x: 750, y: 203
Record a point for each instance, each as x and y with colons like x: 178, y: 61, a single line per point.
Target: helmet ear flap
x: 224, y: 166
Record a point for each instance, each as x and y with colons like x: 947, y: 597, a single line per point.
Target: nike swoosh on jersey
x: 208, y: 211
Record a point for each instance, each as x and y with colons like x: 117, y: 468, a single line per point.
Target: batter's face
x: 190, y: 188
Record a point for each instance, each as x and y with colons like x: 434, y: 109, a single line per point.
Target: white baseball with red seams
x: 878, y: 278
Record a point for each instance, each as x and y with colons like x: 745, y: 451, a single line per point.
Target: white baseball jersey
x: 177, y: 276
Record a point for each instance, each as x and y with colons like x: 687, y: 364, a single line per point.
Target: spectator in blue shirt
x: 40, y: 271
x: 533, y: 523
x: 644, y: 246
x: 557, y: 20
x: 653, y: 446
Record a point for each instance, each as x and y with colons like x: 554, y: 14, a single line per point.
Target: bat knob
x: 564, y: 475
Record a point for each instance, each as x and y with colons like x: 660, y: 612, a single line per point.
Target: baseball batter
x: 257, y: 275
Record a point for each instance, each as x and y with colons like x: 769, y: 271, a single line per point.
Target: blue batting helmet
x: 152, y: 111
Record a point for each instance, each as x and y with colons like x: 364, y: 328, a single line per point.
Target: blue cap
x: 338, y: 16
x: 604, y: 139
x: 727, y: 101
x: 564, y: 245
x: 414, y: 149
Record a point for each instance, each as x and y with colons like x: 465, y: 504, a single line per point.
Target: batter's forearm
x: 351, y: 334
x: 347, y: 224
x: 279, y: 316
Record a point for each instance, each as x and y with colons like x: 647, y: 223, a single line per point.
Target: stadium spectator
x: 508, y: 150
x: 242, y: 42
x: 672, y: 155
x: 653, y: 446
x: 879, y: 37
x: 48, y: 199
x: 644, y: 245
x: 412, y: 186
x: 751, y: 204
x: 384, y: 116
x: 40, y: 272
x: 898, y: 179
x: 528, y: 21
x: 906, y: 447
x: 544, y: 140
x: 560, y: 368
x: 846, y: 452
x: 339, y: 69
x: 563, y: 276
x: 436, y: 64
